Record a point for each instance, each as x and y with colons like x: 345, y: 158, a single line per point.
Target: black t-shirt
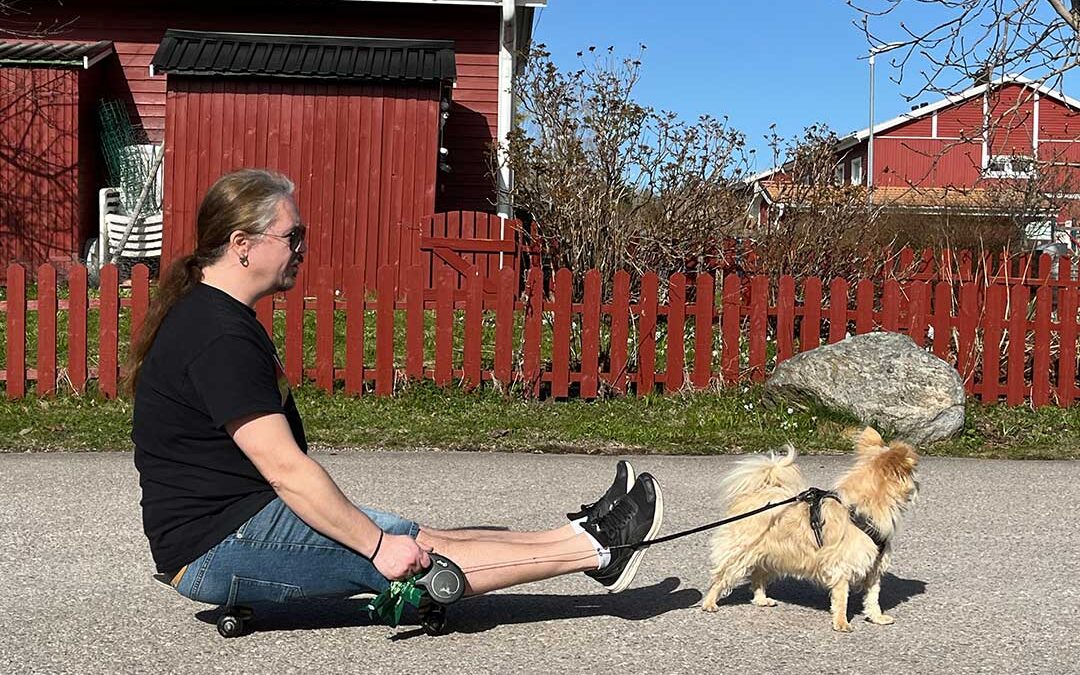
x: 211, y: 363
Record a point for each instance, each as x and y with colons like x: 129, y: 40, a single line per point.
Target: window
x: 856, y: 171
x: 838, y: 174
x: 1010, y: 166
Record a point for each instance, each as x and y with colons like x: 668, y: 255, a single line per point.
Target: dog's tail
x: 758, y: 473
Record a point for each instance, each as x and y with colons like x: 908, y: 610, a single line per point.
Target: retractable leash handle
x: 444, y: 581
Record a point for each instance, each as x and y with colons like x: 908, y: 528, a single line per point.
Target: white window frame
x: 856, y: 171
x: 838, y: 174
x: 1008, y: 168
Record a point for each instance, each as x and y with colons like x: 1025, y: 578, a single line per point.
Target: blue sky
x: 786, y: 62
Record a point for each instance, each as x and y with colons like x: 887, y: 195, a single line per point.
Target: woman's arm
x: 305, y: 486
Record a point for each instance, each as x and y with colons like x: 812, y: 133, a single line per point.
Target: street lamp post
x: 874, y: 51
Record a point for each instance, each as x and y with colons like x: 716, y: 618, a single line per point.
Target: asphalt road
x: 984, y: 578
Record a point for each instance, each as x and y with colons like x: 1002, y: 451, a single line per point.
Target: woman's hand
x: 400, y: 557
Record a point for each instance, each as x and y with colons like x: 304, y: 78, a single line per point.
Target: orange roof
x: 903, y: 197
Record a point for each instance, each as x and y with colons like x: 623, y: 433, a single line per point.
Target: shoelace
x: 616, y: 519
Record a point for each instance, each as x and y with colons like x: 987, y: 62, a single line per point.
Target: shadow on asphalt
x: 476, y: 615
x: 894, y: 591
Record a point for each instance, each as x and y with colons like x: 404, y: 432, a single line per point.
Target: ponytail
x: 182, y: 276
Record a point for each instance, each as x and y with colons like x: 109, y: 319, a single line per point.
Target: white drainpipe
x: 507, y: 51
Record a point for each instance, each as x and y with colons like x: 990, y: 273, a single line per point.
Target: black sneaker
x: 634, y: 519
x: 624, y: 480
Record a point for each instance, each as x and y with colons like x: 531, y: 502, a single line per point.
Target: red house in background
x: 955, y: 155
x: 382, y: 112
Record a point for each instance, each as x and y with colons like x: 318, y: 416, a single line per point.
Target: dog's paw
x: 709, y: 606
x: 881, y: 619
x: 764, y: 602
x: 841, y: 626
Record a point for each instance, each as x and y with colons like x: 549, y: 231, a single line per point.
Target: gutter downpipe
x: 507, y: 52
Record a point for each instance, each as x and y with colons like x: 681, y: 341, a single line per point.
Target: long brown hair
x: 244, y: 200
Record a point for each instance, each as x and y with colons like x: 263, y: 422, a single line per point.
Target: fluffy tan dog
x: 856, y: 535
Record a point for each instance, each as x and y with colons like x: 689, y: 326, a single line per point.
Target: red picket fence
x: 1008, y: 341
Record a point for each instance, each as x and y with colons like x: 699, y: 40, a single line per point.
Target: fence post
x: 46, y: 315
x: 504, y: 325
x: 759, y: 325
x: 1067, y: 355
x: 620, y: 330
x: 590, y: 335
x: 534, y: 315
x: 1040, y: 366
x: 445, y: 285
x: 992, y: 332
x: 77, y: 328
x: 108, y: 338
x: 294, y: 331
x: 354, y: 330
x: 676, y: 333
x: 560, y: 334
x: 384, y: 331
x: 474, y: 323
x: 704, y: 307
x: 785, y: 319
x: 731, y: 328
x: 647, y: 307
x: 1018, y: 325
x: 838, y: 309
x: 324, y: 329
x: 16, y: 331
x: 414, y: 323
x: 810, y: 328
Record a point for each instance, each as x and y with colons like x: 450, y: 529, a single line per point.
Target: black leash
x: 811, y: 495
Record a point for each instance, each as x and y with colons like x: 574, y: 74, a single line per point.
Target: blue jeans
x: 276, y: 557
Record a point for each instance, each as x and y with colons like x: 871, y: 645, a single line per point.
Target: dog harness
x: 814, y: 496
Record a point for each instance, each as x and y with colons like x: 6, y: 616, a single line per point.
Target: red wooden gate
x: 462, y: 240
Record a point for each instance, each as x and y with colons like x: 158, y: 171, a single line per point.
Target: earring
x: 244, y: 260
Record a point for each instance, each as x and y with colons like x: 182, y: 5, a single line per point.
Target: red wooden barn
x: 382, y: 112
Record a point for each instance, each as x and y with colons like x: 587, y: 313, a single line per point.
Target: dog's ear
x: 868, y: 441
x: 909, y: 458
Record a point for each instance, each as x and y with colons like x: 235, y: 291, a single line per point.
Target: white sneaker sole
x: 630, y: 571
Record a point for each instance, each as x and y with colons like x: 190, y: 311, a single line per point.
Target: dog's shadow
x: 894, y: 592
x: 479, y: 614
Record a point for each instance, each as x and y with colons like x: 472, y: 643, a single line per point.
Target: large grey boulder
x: 884, y: 379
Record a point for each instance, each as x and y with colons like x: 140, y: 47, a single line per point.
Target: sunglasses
x: 295, y: 237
